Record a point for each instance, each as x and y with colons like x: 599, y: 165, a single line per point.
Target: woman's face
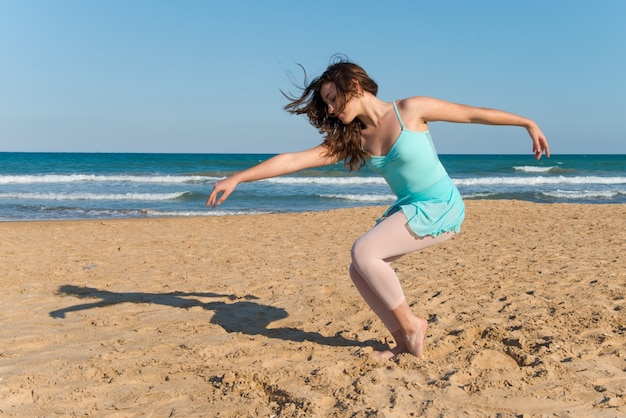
x: 336, y: 104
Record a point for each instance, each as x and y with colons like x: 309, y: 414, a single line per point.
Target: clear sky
x: 205, y: 76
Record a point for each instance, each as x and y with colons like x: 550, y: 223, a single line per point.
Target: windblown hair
x: 341, y: 140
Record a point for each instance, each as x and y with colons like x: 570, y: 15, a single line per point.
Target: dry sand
x: 256, y: 316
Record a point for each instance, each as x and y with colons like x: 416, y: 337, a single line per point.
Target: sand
x: 256, y: 316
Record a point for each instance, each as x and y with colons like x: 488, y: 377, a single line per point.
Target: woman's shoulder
x: 413, y: 102
x: 412, y: 110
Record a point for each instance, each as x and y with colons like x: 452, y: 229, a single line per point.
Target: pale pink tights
x: 371, y: 271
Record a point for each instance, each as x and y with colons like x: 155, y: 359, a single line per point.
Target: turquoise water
x: 36, y: 186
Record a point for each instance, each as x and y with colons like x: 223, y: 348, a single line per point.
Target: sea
x: 63, y: 186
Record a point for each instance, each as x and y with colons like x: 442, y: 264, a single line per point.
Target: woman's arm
x: 273, y: 167
x: 430, y: 110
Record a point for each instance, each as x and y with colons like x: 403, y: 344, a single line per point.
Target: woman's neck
x: 372, y: 110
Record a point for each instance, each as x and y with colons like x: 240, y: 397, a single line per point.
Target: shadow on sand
x: 240, y: 315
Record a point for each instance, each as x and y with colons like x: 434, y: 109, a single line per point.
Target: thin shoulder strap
x: 395, y: 109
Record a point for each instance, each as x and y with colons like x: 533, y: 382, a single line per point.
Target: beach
x: 255, y: 315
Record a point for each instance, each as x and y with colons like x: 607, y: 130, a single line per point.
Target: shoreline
x: 236, y: 214
x: 236, y: 315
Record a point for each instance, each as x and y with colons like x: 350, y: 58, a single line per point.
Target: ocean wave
x: 95, y: 196
x: 584, y: 194
x: 538, y: 180
x: 83, y: 213
x: 536, y: 169
x: 169, y: 179
x: 352, y: 180
x: 479, y: 195
x: 192, y: 213
x: 80, y: 178
x: 303, y: 180
x: 360, y: 197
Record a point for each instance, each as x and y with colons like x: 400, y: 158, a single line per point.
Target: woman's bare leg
x: 379, y: 285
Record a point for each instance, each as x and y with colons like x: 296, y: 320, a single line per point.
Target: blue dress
x: 424, y: 190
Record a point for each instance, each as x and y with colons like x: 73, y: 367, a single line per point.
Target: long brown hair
x: 341, y: 140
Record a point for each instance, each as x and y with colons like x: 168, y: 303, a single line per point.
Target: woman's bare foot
x: 413, y: 330
x: 400, y: 347
x: 388, y: 354
x: 415, y: 338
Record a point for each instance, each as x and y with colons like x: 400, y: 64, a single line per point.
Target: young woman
x: 394, y: 140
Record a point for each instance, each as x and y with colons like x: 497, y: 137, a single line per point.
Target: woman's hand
x: 540, y: 143
x: 225, y: 187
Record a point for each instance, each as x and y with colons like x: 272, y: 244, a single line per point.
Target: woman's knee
x: 360, y: 253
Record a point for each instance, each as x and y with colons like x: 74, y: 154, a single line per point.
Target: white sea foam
x: 292, y: 180
x: 327, y: 180
x: 361, y: 197
x: 191, y: 213
x: 74, y: 178
x: 584, y: 194
x: 538, y: 180
x: 534, y: 169
x: 78, y: 178
x: 94, y: 196
x: 491, y: 181
x: 478, y: 195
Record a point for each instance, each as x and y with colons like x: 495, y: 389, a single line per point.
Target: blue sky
x: 205, y: 76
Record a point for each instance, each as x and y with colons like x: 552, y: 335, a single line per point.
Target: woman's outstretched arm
x: 429, y: 110
x: 276, y: 166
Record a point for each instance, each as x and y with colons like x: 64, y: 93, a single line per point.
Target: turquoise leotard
x: 425, y: 193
